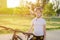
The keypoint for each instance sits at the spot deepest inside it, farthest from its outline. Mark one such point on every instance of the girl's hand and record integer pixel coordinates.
(44, 38)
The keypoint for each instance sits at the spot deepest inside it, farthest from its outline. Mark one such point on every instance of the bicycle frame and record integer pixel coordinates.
(16, 37)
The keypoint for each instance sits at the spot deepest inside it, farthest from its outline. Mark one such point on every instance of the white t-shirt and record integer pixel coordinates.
(38, 24)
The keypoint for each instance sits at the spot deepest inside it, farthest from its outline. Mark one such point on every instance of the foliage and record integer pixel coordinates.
(48, 10)
(6, 11)
(21, 10)
(17, 10)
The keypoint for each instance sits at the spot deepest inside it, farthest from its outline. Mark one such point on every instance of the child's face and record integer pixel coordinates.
(38, 13)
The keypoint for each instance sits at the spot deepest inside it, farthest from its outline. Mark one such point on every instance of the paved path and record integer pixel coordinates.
(51, 35)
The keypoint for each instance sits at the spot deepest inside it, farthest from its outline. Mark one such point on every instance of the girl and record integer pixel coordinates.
(39, 26)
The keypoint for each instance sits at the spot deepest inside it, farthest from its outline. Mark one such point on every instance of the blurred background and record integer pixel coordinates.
(17, 14)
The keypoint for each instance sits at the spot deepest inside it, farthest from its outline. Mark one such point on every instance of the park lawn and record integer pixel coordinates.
(24, 22)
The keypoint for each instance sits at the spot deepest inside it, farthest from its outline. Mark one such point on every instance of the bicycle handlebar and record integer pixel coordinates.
(16, 30)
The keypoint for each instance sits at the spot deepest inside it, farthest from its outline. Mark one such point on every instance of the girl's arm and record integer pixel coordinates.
(44, 29)
(31, 29)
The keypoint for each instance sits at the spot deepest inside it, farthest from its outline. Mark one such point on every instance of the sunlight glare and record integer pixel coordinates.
(13, 3)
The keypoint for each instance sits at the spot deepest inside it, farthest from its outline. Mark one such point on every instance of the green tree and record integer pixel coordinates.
(6, 11)
(21, 10)
(48, 10)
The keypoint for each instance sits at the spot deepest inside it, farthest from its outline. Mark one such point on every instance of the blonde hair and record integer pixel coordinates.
(38, 8)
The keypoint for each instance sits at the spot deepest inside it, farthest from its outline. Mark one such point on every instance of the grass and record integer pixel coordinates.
(23, 23)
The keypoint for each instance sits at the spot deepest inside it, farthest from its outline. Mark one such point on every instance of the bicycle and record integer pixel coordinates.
(15, 36)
